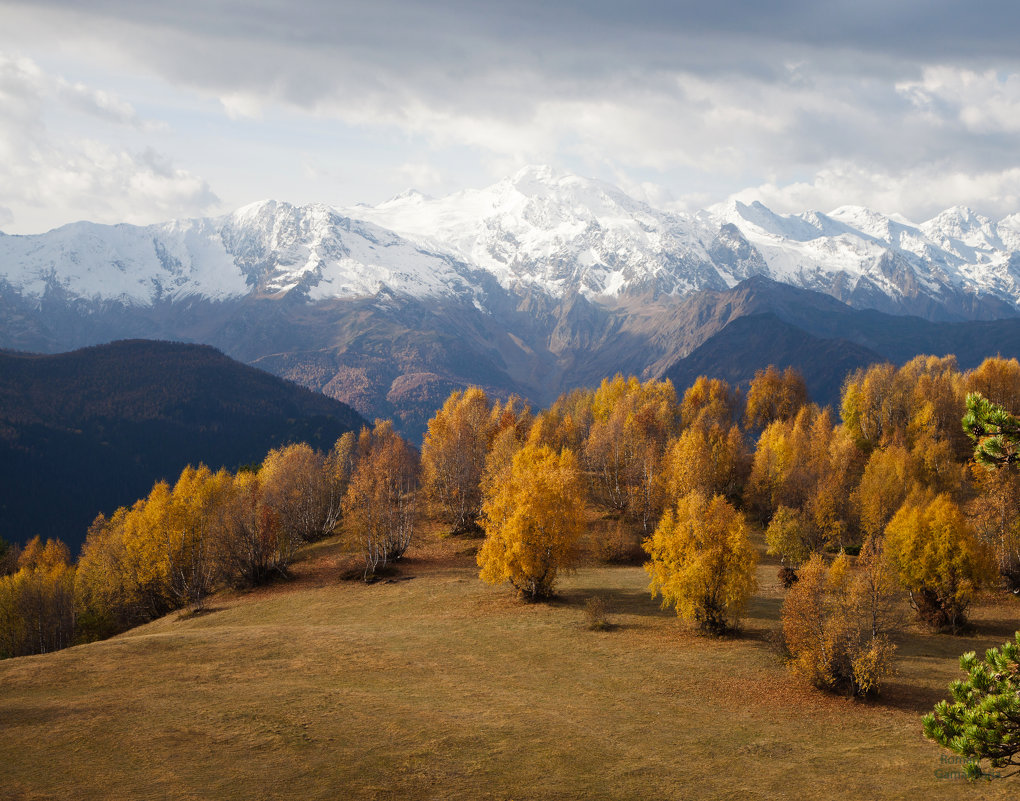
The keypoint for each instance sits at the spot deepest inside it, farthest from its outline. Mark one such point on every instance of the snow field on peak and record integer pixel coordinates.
(541, 227)
(130, 264)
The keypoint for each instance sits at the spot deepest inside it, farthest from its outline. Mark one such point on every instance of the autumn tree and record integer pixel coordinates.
(938, 557)
(774, 395)
(379, 506)
(197, 514)
(338, 467)
(9, 554)
(709, 401)
(936, 402)
(982, 722)
(37, 601)
(792, 537)
(835, 625)
(453, 458)
(996, 379)
(712, 460)
(809, 464)
(513, 426)
(883, 405)
(782, 474)
(255, 548)
(296, 485)
(995, 434)
(567, 423)
(533, 521)
(123, 576)
(105, 596)
(995, 514)
(888, 477)
(623, 452)
(702, 561)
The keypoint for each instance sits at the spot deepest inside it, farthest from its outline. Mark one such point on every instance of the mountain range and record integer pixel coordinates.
(539, 283)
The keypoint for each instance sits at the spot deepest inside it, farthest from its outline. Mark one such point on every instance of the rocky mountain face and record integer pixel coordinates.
(539, 283)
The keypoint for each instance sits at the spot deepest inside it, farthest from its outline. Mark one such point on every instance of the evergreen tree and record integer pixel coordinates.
(994, 431)
(983, 720)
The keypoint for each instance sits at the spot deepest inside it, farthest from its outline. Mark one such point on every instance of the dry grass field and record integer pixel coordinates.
(434, 685)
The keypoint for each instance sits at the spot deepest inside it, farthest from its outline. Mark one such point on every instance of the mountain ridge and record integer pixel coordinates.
(539, 284)
(541, 228)
(87, 431)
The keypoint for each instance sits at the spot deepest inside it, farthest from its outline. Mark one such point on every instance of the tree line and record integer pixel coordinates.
(209, 529)
(883, 500)
(882, 503)
(911, 492)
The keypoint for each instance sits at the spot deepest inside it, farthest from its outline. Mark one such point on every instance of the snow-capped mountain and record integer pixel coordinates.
(560, 233)
(955, 265)
(539, 283)
(266, 248)
(541, 230)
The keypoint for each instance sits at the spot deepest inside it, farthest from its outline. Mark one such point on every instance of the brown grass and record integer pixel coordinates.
(442, 687)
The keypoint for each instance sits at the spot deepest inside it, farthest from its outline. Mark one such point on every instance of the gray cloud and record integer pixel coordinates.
(45, 175)
(718, 95)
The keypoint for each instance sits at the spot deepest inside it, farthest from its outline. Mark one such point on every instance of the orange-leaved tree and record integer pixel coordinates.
(836, 624)
(774, 395)
(453, 458)
(37, 601)
(533, 521)
(379, 506)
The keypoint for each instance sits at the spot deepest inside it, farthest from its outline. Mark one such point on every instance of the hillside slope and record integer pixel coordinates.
(90, 430)
(441, 687)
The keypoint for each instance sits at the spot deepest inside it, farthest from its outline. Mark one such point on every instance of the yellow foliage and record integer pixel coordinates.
(938, 557)
(998, 380)
(713, 461)
(295, 484)
(708, 402)
(789, 536)
(774, 396)
(882, 405)
(623, 452)
(379, 506)
(533, 521)
(995, 513)
(453, 457)
(702, 561)
(830, 619)
(37, 602)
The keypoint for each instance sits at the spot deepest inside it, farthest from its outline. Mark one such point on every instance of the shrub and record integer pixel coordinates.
(834, 629)
(596, 612)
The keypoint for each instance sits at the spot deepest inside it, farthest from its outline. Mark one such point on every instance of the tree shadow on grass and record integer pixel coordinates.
(618, 601)
(1000, 629)
(907, 696)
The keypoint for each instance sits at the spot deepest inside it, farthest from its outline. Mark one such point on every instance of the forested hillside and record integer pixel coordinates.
(91, 430)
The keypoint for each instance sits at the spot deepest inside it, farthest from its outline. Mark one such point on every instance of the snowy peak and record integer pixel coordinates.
(559, 232)
(268, 248)
(129, 264)
(541, 229)
(959, 230)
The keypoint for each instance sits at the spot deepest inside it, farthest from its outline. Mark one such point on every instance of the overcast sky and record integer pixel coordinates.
(139, 111)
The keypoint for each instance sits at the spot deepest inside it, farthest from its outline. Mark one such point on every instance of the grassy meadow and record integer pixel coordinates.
(433, 685)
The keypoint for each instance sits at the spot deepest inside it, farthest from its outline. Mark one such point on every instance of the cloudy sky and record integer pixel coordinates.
(139, 111)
